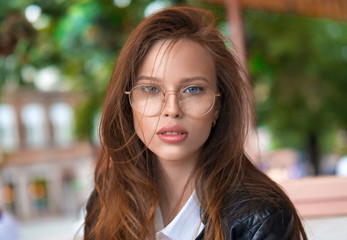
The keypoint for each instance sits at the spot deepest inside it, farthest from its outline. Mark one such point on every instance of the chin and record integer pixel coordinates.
(168, 154)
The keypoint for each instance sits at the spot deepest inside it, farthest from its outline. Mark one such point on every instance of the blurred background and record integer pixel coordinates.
(56, 58)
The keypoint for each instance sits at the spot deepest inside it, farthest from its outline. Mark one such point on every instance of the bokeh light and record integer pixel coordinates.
(7, 194)
(122, 3)
(33, 12)
(36, 190)
(156, 6)
(47, 78)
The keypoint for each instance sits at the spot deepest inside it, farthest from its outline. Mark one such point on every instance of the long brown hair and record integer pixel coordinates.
(125, 198)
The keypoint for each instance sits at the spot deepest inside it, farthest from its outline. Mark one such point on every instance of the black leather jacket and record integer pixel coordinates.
(249, 220)
(266, 223)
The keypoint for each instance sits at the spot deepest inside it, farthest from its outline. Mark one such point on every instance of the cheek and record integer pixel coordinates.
(202, 131)
(145, 127)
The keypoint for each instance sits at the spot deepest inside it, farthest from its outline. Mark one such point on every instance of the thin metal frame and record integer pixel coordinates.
(178, 94)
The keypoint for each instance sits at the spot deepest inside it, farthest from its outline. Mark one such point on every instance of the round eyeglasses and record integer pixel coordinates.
(193, 100)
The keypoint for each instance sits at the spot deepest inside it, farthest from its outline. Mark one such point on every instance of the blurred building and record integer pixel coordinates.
(43, 170)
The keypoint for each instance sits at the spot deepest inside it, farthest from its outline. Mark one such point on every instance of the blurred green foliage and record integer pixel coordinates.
(299, 72)
(80, 37)
(298, 65)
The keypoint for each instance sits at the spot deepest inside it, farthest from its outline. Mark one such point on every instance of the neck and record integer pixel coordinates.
(176, 186)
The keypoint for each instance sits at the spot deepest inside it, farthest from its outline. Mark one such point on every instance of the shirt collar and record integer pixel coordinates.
(186, 225)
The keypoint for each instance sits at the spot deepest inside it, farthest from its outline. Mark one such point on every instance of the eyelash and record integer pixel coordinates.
(149, 88)
(198, 89)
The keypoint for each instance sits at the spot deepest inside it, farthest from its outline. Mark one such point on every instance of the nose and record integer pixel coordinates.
(171, 107)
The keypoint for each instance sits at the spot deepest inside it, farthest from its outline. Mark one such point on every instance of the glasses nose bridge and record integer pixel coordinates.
(176, 100)
(171, 91)
(167, 93)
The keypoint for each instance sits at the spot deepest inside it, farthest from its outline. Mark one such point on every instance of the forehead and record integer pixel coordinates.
(171, 61)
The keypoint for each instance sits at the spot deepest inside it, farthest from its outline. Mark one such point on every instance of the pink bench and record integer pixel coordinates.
(318, 196)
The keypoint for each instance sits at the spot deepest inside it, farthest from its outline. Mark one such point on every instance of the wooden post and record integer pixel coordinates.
(236, 30)
(237, 36)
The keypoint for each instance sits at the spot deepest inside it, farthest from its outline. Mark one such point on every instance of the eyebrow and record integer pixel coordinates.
(183, 80)
(148, 78)
(190, 79)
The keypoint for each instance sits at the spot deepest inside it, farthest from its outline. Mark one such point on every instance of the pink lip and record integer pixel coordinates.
(172, 138)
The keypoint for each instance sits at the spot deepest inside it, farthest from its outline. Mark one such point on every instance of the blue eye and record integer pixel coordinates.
(150, 89)
(194, 90)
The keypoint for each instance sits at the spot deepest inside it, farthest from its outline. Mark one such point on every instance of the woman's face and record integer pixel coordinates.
(173, 134)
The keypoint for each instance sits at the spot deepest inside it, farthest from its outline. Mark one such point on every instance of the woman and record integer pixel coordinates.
(173, 129)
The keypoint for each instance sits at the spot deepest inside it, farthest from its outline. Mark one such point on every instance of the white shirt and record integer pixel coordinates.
(186, 225)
